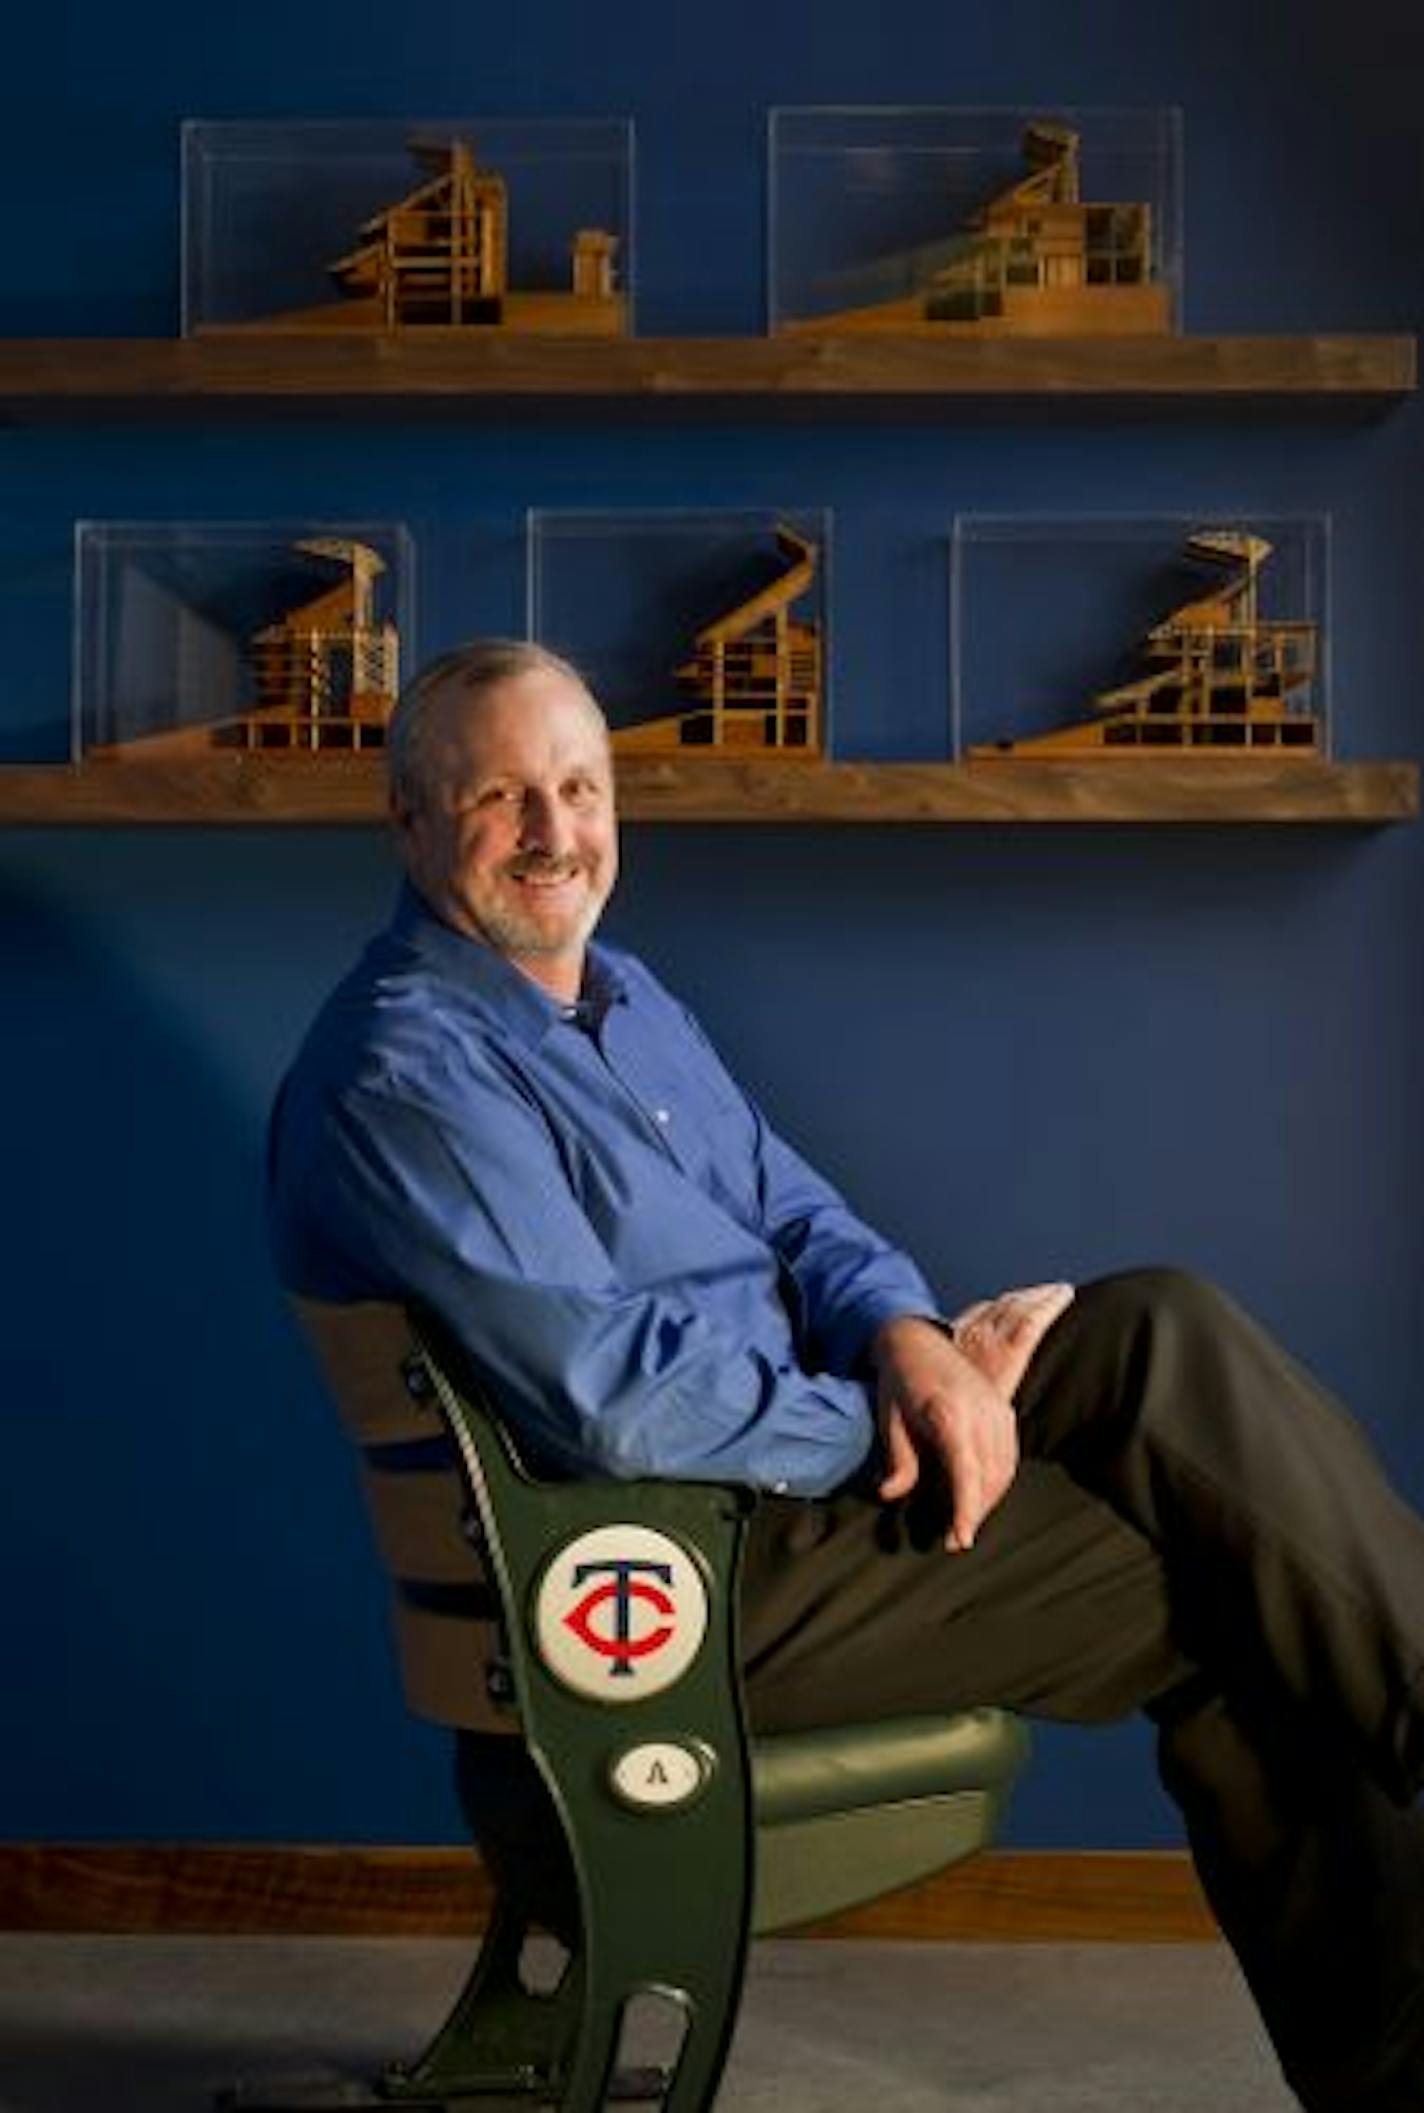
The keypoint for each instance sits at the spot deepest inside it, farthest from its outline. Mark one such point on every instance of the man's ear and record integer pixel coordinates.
(403, 815)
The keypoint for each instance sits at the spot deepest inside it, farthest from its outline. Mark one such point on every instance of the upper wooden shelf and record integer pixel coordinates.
(237, 789)
(55, 378)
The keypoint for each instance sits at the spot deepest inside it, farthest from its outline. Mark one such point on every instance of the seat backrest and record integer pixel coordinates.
(447, 1617)
(614, 1624)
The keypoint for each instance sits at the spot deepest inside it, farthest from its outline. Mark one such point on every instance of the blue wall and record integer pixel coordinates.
(1026, 1054)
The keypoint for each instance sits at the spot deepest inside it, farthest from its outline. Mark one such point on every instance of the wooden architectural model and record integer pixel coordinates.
(754, 682)
(324, 676)
(1035, 261)
(1218, 679)
(438, 259)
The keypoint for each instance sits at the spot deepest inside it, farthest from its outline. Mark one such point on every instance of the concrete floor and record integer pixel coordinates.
(152, 2025)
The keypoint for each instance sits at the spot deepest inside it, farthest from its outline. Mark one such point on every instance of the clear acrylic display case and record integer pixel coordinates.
(703, 634)
(284, 638)
(981, 222)
(1100, 637)
(463, 222)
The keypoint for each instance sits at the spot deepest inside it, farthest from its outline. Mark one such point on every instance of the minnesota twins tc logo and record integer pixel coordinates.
(624, 1589)
(621, 1613)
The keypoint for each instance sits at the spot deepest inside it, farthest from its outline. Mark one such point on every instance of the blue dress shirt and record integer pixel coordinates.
(647, 1277)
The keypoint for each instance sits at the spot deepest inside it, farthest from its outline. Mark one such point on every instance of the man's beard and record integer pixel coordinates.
(516, 931)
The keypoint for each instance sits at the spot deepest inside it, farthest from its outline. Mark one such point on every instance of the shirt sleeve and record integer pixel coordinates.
(476, 1219)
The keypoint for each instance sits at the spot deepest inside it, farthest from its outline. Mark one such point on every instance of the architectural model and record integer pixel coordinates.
(438, 259)
(324, 676)
(754, 682)
(1217, 678)
(1035, 261)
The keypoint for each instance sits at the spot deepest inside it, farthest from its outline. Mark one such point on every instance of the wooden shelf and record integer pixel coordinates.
(236, 790)
(56, 378)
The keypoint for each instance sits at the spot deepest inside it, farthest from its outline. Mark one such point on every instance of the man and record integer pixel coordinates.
(1071, 1505)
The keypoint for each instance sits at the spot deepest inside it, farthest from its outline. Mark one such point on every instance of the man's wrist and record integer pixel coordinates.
(902, 1327)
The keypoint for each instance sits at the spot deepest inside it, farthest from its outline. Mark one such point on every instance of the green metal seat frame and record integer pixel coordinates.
(637, 1820)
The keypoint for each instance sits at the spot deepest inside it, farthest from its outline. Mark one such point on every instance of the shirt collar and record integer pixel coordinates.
(511, 997)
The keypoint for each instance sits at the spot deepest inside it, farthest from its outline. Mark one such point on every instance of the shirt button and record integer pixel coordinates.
(662, 1115)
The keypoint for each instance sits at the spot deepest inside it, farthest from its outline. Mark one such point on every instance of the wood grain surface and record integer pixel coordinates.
(1004, 1896)
(226, 789)
(49, 377)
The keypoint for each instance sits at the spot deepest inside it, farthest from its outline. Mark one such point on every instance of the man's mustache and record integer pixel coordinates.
(543, 864)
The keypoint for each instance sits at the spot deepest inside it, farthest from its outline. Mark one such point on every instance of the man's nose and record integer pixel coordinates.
(544, 826)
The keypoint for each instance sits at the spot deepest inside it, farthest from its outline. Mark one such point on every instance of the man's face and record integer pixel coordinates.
(513, 838)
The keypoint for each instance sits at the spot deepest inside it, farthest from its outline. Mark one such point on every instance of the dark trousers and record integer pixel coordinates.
(1198, 1530)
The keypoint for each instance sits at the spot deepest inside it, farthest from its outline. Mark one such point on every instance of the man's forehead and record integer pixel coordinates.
(525, 710)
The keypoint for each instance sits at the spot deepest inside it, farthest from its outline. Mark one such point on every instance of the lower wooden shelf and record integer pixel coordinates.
(245, 789)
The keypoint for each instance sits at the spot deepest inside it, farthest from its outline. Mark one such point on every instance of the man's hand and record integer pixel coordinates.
(1000, 1335)
(950, 1399)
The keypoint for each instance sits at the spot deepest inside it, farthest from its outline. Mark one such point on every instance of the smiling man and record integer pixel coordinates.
(1071, 1504)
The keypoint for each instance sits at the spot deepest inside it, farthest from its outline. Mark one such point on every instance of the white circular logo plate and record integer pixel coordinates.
(620, 1613)
(658, 1775)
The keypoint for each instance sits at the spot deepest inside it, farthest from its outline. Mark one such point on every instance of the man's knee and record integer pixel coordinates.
(1159, 1293)
(1119, 1330)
